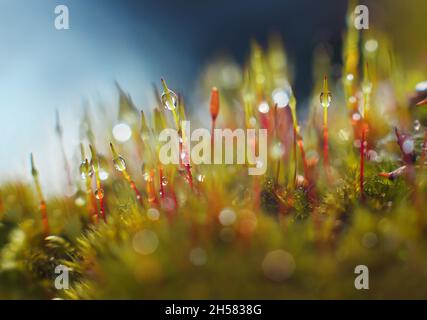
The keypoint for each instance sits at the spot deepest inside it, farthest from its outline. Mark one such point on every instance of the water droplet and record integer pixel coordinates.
(164, 181)
(263, 107)
(408, 146)
(91, 171)
(417, 125)
(325, 101)
(99, 193)
(200, 178)
(119, 163)
(122, 132)
(356, 116)
(350, 77)
(146, 177)
(169, 99)
(421, 86)
(281, 98)
(103, 175)
(84, 169)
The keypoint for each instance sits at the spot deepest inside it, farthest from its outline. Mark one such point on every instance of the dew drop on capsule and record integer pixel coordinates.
(169, 100)
(325, 101)
(84, 166)
(119, 163)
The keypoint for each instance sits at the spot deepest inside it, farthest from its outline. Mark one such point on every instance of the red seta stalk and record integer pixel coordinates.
(137, 193)
(294, 142)
(362, 162)
(423, 152)
(152, 198)
(304, 159)
(45, 220)
(325, 146)
(162, 189)
(189, 175)
(99, 193)
(212, 134)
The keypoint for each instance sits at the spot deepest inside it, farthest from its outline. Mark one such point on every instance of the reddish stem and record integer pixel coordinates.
(326, 152)
(102, 209)
(93, 210)
(45, 219)
(162, 191)
(189, 175)
(304, 160)
(187, 166)
(362, 162)
(137, 193)
(212, 136)
(152, 198)
(423, 152)
(325, 148)
(295, 154)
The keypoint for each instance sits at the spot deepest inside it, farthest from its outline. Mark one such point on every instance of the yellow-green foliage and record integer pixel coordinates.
(297, 232)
